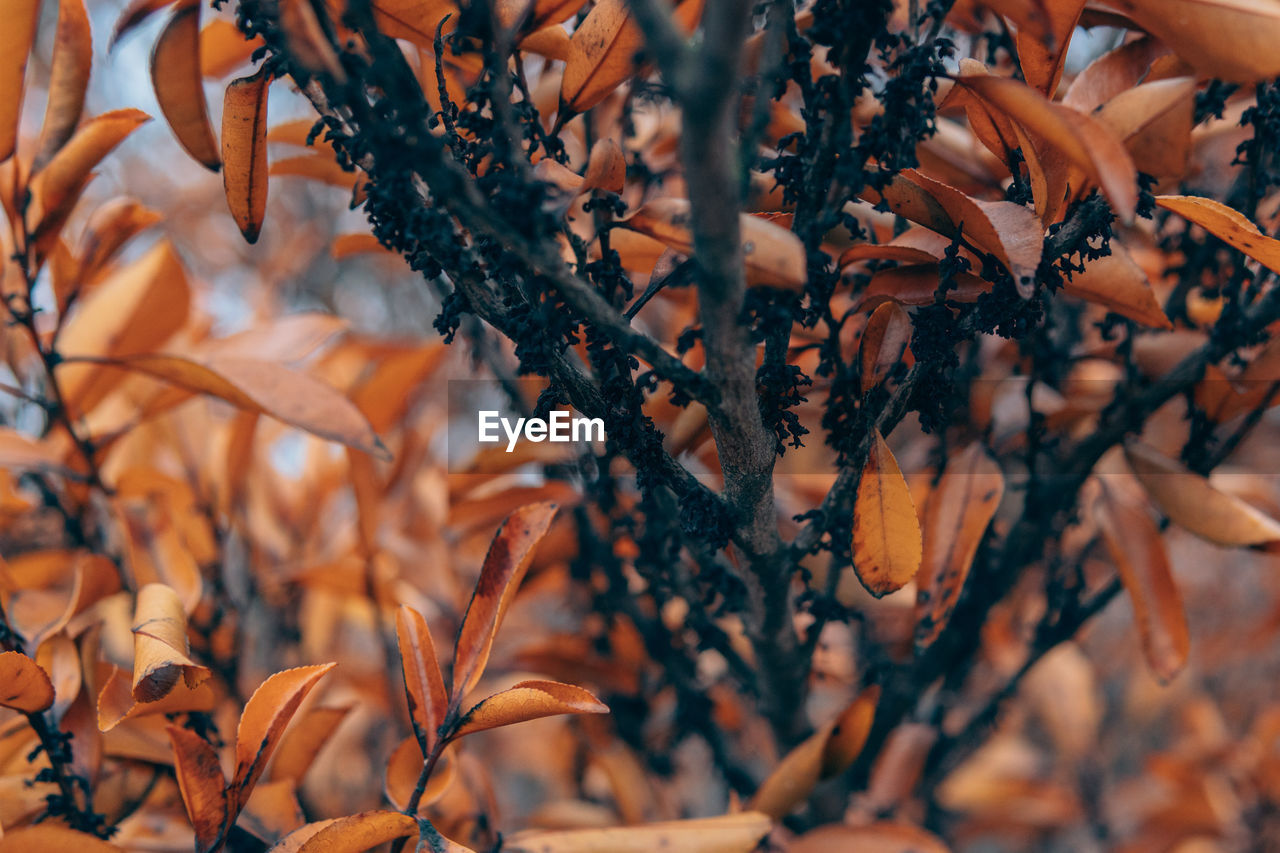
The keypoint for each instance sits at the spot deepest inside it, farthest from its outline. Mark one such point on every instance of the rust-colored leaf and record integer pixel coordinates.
(364, 831)
(886, 531)
(19, 33)
(1041, 55)
(1137, 549)
(51, 838)
(303, 741)
(423, 683)
(956, 516)
(1229, 39)
(405, 766)
(202, 785)
(175, 74)
(1118, 284)
(160, 645)
(879, 837)
(68, 79)
(244, 152)
(606, 167)
(1192, 502)
(24, 686)
(265, 716)
(223, 48)
(1227, 224)
(737, 833)
(529, 700)
(504, 567)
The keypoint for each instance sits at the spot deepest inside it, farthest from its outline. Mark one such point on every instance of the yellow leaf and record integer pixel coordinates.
(175, 74)
(1227, 224)
(24, 686)
(244, 152)
(886, 531)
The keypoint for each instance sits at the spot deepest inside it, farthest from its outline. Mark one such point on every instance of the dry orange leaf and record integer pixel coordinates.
(202, 785)
(1227, 224)
(244, 151)
(19, 33)
(51, 838)
(175, 74)
(1118, 284)
(265, 716)
(879, 837)
(1135, 545)
(884, 345)
(266, 387)
(160, 645)
(304, 739)
(363, 831)
(405, 766)
(68, 79)
(223, 48)
(529, 700)
(606, 167)
(1041, 54)
(1155, 121)
(956, 516)
(24, 686)
(424, 686)
(824, 754)
(504, 566)
(886, 532)
(20, 453)
(772, 255)
(1193, 503)
(1230, 39)
(116, 703)
(1113, 73)
(736, 833)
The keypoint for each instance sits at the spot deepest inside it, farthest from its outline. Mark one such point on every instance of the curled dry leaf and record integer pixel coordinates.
(1227, 224)
(24, 686)
(244, 151)
(160, 645)
(424, 686)
(175, 74)
(1193, 503)
(956, 516)
(116, 703)
(1137, 549)
(19, 33)
(68, 79)
(737, 833)
(202, 785)
(1229, 39)
(265, 387)
(263, 722)
(529, 700)
(824, 754)
(884, 345)
(772, 255)
(886, 531)
(504, 566)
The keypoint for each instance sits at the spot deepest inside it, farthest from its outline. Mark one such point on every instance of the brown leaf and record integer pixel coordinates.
(1118, 284)
(1192, 502)
(50, 838)
(244, 151)
(361, 832)
(880, 837)
(1082, 139)
(175, 74)
(423, 683)
(504, 566)
(19, 33)
(68, 79)
(772, 255)
(1042, 55)
(885, 344)
(1229, 39)
(405, 766)
(223, 48)
(1113, 73)
(886, 532)
(1155, 121)
(529, 700)
(24, 686)
(1138, 551)
(736, 833)
(535, 15)
(160, 645)
(202, 785)
(265, 387)
(606, 167)
(265, 716)
(134, 14)
(956, 516)
(1227, 224)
